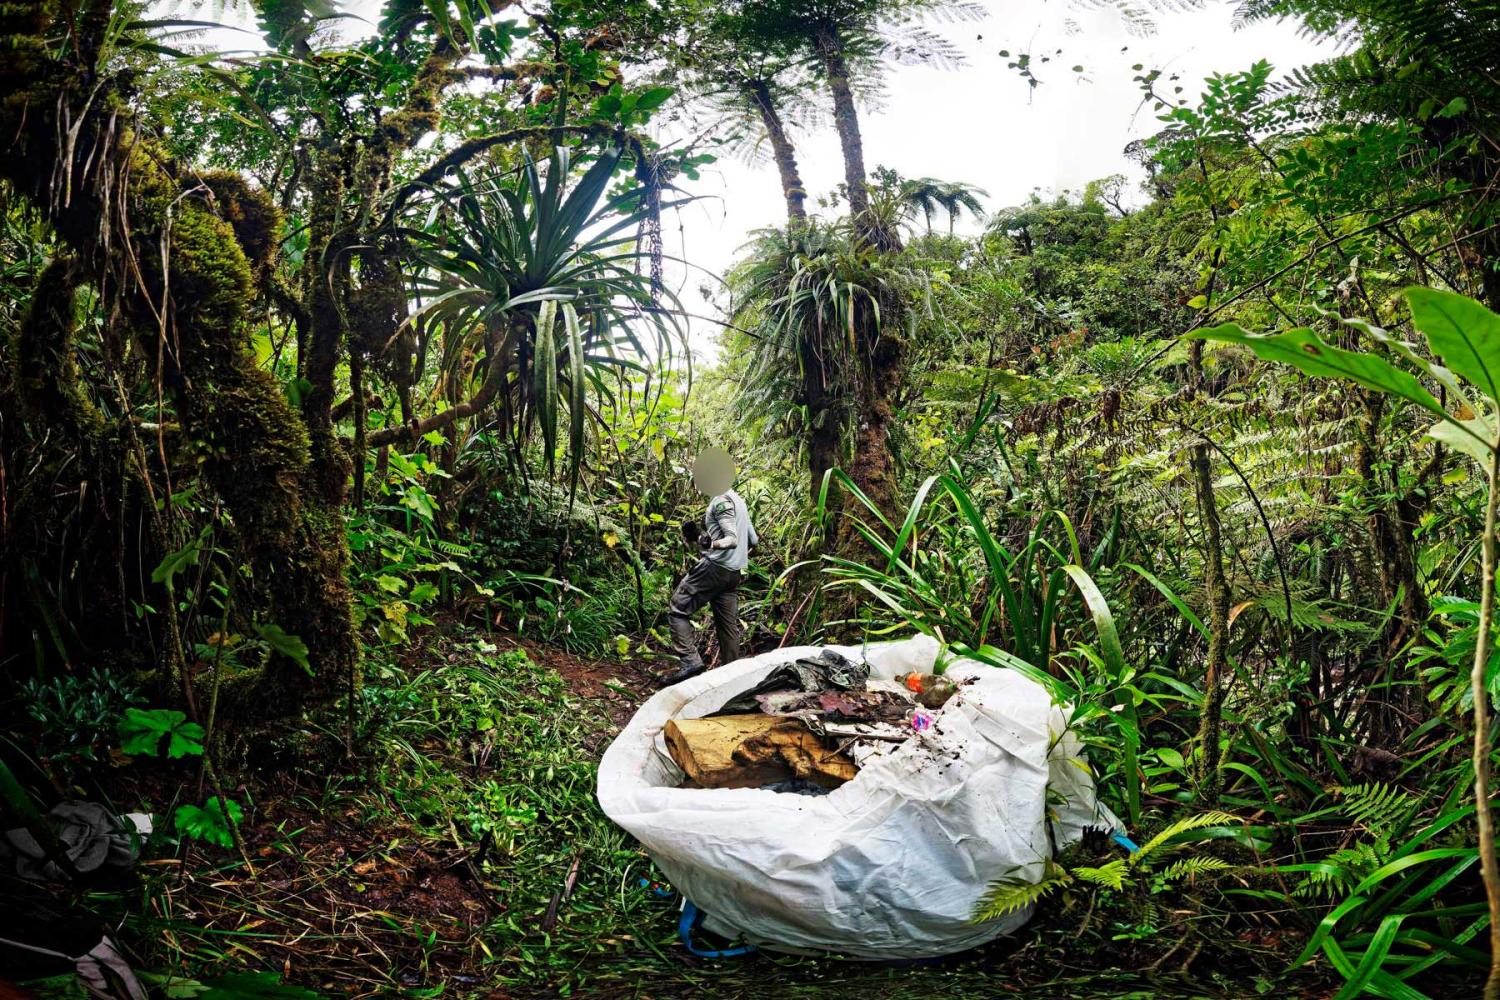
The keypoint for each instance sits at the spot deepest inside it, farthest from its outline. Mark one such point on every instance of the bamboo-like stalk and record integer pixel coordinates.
(1487, 859)
(1210, 723)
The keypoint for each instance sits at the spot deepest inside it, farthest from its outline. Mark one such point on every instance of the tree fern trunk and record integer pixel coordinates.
(881, 354)
(830, 48)
(781, 149)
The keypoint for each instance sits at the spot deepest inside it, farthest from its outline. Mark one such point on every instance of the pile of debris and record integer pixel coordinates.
(806, 728)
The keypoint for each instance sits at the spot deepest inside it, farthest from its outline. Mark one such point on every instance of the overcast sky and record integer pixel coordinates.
(979, 123)
(982, 124)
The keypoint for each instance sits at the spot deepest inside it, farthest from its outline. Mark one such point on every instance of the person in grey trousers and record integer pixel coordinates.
(725, 538)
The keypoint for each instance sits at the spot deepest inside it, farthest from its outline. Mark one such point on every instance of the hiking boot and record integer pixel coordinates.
(683, 674)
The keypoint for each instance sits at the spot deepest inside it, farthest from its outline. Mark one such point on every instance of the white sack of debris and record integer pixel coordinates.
(889, 865)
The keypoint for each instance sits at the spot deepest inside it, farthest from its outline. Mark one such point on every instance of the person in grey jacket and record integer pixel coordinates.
(725, 538)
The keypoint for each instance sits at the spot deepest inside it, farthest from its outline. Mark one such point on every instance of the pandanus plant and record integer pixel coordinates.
(542, 279)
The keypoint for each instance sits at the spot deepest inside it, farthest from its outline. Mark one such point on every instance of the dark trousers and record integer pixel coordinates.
(711, 584)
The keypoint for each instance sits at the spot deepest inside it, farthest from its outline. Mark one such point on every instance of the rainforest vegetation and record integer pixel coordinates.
(349, 391)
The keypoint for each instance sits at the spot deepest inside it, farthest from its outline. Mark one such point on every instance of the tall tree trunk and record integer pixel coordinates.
(873, 468)
(1395, 513)
(881, 356)
(759, 91)
(825, 418)
(825, 415)
(830, 47)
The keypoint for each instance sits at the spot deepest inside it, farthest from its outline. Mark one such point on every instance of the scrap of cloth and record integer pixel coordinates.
(91, 835)
(855, 706)
(827, 670)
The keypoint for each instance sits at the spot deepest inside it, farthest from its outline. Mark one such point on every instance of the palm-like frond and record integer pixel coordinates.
(504, 257)
(929, 195)
(806, 296)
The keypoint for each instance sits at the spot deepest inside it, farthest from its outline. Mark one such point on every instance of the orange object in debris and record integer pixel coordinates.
(914, 682)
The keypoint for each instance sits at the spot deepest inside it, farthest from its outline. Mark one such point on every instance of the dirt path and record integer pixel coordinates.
(621, 684)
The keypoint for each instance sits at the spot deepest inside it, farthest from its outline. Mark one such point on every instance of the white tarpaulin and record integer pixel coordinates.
(889, 865)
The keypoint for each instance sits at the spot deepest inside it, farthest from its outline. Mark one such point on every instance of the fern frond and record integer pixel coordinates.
(1377, 806)
(1339, 871)
(1110, 875)
(1191, 868)
(1159, 843)
(1012, 893)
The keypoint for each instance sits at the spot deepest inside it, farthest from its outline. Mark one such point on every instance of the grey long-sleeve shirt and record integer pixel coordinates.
(729, 527)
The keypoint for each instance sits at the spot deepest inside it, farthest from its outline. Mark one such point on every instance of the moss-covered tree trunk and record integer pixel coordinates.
(65, 504)
(159, 240)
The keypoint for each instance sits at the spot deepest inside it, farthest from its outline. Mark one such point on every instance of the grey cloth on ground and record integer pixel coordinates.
(706, 583)
(810, 673)
(92, 836)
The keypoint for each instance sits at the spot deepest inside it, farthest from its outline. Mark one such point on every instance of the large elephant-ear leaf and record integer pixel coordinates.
(1463, 333)
(576, 411)
(1306, 351)
(1466, 436)
(544, 379)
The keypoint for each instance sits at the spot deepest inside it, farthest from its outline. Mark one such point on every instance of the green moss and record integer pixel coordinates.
(250, 212)
(210, 280)
(51, 388)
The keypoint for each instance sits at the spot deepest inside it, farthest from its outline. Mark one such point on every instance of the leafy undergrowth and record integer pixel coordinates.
(464, 855)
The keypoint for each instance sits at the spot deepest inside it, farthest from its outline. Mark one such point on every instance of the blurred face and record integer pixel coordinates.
(713, 472)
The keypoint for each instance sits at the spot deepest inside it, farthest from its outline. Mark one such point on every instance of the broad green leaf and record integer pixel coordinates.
(1457, 106)
(142, 730)
(175, 562)
(652, 99)
(1403, 350)
(1307, 352)
(211, 822)
(290, 646)
(419, 501)
(1467, 436)
(1463, 333)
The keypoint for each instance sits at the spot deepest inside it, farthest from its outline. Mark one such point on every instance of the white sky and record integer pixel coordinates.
(982, 124)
